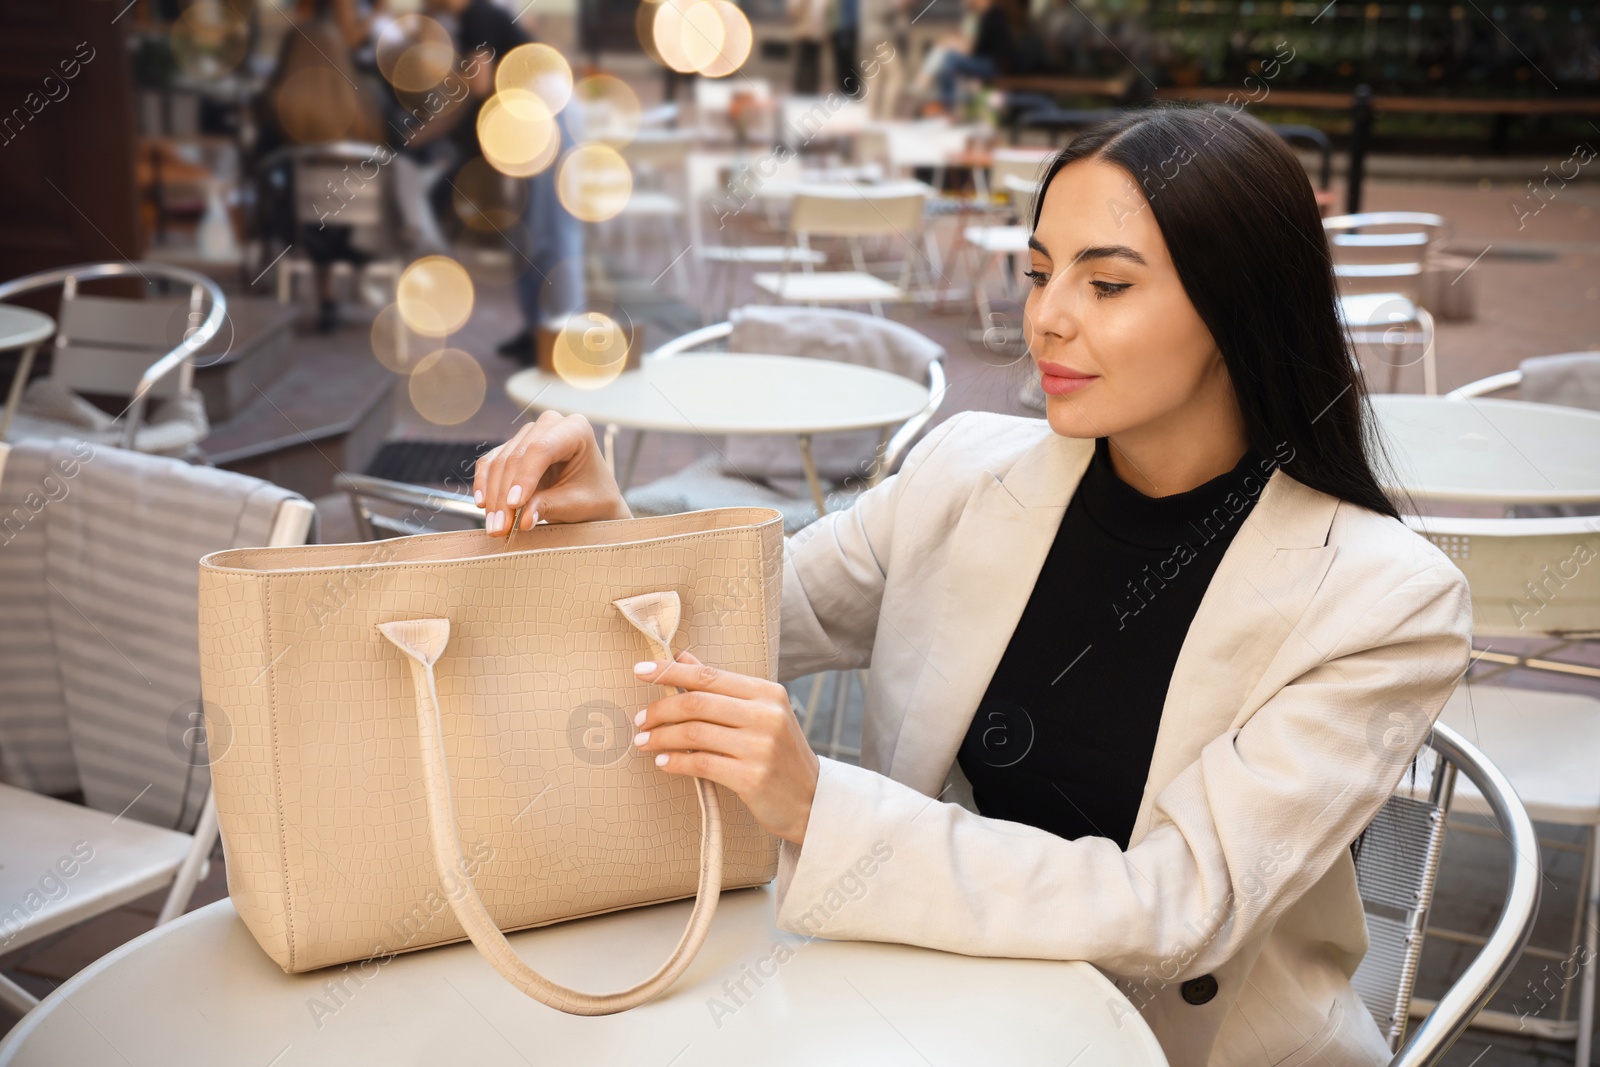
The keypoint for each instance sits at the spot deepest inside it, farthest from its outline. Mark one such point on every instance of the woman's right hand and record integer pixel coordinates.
(553, 465)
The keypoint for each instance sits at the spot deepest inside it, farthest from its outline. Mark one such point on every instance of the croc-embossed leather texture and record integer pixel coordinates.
(429, 738)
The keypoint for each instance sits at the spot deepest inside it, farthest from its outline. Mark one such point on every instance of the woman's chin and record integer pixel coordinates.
(1069, 418)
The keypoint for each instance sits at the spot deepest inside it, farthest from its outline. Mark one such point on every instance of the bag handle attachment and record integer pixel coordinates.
(423, 641)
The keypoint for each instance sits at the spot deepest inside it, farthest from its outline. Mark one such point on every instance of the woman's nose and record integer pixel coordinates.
(1052, 314)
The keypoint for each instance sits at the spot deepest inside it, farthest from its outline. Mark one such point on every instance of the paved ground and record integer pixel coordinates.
(1537, 290)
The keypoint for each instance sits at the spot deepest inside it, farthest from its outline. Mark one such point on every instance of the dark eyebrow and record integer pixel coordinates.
(1109, 252)
(1092, 252)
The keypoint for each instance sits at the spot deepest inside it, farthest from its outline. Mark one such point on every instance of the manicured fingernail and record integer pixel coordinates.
(533, 517)
(515, 496)
(645, 667)
(499, 520)
(638, 720)
(477, 497)
(661, 760)
(641, 738)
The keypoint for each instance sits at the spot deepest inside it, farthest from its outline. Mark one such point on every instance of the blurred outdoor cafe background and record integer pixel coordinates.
(764, 246)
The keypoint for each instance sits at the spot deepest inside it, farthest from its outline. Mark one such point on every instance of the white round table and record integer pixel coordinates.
(200, 992)
(1488, 451)
(732, 393)
(21, 328)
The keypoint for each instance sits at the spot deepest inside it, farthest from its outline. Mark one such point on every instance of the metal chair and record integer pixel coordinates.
(115, 860)
(893, 211)
(1379, 258)
(328, 184)
(1395, 871)
(427, 505)
(141, 349)
(1528, 581)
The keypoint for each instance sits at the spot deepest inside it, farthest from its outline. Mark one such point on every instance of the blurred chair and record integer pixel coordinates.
(893, 212)
(327, 186)
(728, 199)
(100, 663)
(1378, 259)
(1529, 580)
(1396, 866)
(772, 471)
(1571, 379)
(658, 159)
(714, 101)
(426, 506)
(142, 350)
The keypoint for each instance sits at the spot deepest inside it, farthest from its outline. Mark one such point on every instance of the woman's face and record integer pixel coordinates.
(1107, 321)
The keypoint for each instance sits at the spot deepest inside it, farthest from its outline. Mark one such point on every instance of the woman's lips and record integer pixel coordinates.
(1059, 380)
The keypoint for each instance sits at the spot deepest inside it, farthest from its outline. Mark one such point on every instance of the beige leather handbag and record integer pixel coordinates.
(430, 738)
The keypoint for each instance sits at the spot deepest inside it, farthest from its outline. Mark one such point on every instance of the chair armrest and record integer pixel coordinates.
(714, 332)
(1493, 964)
(1494, 383)
(907, 433)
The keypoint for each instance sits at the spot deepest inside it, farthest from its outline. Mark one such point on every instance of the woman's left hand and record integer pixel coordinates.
(737, 731)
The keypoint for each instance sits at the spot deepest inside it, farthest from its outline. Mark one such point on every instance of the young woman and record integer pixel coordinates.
(1141, 671)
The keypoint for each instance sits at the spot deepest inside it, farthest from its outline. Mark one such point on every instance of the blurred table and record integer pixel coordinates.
(200, 992)
(1490, 451)
(22, 328)
(732, 393)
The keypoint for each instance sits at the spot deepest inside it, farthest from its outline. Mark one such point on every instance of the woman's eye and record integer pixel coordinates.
(1105, 289)
(1037, 277)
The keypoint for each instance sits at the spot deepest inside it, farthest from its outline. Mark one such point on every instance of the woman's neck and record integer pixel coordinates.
(1185, 449)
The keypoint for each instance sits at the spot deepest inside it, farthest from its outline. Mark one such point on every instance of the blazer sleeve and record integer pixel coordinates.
(834, 571)
(1237, 837)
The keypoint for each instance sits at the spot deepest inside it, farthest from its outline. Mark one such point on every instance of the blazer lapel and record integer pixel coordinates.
(995, 554)
(1256, 598)
(1259, 592)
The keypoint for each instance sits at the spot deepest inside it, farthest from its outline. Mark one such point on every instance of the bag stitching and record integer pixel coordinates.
(432, 563)
(277, 777)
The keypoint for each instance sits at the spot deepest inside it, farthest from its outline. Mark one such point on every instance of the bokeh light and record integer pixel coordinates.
(316, 105)
(414, 53)
(608, 110)
(517, 133)
(485, 200)
(594, 182)
(688, 34)
(538, 69)
(737, 40)
(209, 39)
(590, 350)
(435, 296)
(447, 387)
(397, 346)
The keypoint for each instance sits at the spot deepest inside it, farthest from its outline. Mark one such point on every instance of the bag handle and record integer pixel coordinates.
(423, 642)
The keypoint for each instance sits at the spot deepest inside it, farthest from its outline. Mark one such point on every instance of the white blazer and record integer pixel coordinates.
(1323, 649)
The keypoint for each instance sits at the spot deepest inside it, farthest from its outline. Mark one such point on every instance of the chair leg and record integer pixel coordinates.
(183, 883)
(1591, 943)
(14, 998)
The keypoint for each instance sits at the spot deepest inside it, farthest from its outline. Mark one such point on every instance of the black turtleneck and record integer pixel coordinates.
(1063, 737)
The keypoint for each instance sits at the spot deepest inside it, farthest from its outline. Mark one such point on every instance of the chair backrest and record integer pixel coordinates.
(414, 508)
(1383, 250)
(105, 344)
(803, 119)
(344, 183)
(925, 144)
(1012, 167)
(1395, 872)
(1529, 577)
(105, 685)
(1571, 379)
(859, 210)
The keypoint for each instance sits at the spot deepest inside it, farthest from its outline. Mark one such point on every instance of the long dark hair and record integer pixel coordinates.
(1241, 224)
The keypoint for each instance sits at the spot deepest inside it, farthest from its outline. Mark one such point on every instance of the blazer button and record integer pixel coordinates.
(1200, 990)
